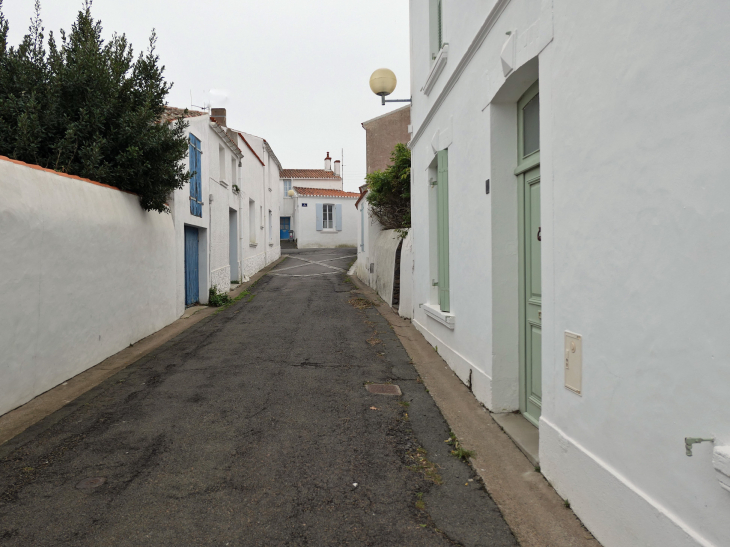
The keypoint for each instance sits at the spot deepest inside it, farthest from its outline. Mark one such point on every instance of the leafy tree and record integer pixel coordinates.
(389, 191)
(90, 108)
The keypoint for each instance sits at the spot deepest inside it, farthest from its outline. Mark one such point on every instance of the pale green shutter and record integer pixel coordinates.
(440, 25)
(443, 229)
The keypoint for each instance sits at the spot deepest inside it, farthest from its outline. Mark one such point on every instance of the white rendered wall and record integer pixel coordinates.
(386, 246)
(306, 223)
(636, 203)
(326, 184)
(634, 126)
(85, 273)
(260, 183)
(366, 255)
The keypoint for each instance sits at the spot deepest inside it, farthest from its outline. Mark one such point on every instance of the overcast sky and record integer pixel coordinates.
(291, 71)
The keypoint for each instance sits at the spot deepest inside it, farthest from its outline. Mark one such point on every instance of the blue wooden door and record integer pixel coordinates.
(191, 266)
(284, 227)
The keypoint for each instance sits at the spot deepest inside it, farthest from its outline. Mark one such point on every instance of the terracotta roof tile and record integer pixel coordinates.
(172, 113)
(323, 192)
(308, 174)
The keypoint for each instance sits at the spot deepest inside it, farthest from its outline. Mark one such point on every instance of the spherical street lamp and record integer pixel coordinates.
(290, 193)
(382, 83)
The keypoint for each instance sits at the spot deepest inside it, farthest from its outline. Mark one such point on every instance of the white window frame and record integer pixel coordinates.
(328, 224)
(287, 187)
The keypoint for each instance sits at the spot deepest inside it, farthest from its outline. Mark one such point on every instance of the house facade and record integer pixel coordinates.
(223, 216)
(261, 200)
(316, 212)
(570, 255)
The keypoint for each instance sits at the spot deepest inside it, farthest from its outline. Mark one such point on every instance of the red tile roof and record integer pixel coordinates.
(308, 174)
(323, 192)
(172, 113)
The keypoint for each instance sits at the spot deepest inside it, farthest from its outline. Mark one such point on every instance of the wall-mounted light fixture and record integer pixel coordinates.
(383, 83)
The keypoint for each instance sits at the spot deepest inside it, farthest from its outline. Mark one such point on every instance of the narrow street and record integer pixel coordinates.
(254, 427)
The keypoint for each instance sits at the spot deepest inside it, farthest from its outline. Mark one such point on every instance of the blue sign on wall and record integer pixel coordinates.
(304, 204)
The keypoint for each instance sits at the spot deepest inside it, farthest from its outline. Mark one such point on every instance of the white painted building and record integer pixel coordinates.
(569, 210)
(261, 200)
(224, 216)
(316, 209)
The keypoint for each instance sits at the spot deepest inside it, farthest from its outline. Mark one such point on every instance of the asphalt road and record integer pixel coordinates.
(253, 427)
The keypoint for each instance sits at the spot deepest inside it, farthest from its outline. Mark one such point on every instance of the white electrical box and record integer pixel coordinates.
(573, 362)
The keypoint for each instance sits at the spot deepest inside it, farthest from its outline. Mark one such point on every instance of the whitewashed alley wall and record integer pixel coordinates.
(85, 273)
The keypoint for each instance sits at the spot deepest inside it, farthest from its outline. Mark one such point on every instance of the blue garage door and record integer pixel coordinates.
(191, 266)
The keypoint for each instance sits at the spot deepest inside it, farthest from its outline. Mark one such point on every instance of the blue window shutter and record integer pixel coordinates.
(196, 186)
(319, 217)
(338, 217)
(191, 157)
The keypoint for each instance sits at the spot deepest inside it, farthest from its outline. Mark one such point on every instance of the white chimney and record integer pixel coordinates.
(337, 168)
(328, 163)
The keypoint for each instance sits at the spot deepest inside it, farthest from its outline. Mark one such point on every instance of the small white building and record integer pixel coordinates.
(261, 200)
(224, 216)
(569, 218)
(316, 212)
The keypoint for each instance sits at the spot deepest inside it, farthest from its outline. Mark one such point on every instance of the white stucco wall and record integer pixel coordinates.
(85, 273)
(639, 253)
(385, 248)
(366, 244)
(305, 219)
(260, 183)
(634, 123)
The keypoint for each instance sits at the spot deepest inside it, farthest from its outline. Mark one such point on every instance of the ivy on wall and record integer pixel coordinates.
(389, 191)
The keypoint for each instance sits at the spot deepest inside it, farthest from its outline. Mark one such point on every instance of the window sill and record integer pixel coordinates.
(434, 312)
(329, 231)
(436, 69)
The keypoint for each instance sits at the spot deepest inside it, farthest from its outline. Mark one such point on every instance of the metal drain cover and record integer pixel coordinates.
(91, 483)
(383, 389)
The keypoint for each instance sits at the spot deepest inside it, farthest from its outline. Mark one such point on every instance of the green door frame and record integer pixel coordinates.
(528, 168)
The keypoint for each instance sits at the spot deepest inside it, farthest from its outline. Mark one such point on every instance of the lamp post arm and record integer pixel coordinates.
(394, 100)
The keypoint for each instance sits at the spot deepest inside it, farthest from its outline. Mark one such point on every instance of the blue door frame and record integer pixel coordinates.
(284, 227)
(192, 285)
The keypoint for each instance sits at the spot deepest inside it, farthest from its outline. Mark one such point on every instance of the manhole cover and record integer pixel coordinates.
(93, 482)
(384, 389)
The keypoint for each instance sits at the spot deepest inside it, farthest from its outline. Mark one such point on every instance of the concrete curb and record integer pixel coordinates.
(536, 514)
(19, 419)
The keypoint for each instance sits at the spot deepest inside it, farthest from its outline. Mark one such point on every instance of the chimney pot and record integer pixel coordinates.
(219, 115)
(328, 163)
(337, 168)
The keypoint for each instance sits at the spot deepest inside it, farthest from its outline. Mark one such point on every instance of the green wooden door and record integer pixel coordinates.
(528, 174)
(532, 235)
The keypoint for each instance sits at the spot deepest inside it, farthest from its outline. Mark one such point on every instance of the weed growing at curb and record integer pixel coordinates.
(458, 451)
(420, 504)
(217, 299)
(360, 303)
(566, 502)
(423, 465)
(405, 404)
